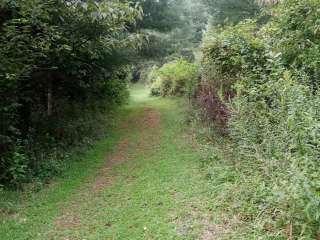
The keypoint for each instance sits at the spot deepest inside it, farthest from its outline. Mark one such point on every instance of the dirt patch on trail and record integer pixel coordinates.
(151, 118)
(213, 232)
(196, 218)
(147, 125)
(71, 217)
(104, 179)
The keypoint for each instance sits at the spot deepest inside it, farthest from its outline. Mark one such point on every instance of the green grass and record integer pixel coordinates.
(168, 186)
(159, 193)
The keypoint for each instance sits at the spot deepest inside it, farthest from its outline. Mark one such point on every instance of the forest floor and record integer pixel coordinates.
(142, 182)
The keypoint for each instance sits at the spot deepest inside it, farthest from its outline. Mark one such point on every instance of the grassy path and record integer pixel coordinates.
(143, 182)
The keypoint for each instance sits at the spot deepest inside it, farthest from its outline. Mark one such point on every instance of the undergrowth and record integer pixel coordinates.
(239, 192)
(259, 73)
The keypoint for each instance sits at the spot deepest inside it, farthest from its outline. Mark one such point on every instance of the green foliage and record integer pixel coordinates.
(56, 58)
(275, 126)
(160, 15)
(171, 28)
(231, 11)
(296, 29)
(174, 78)
(267, 77)
(230, 52)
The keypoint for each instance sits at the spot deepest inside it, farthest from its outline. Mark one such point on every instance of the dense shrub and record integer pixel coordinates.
(228, 54)
(59, 60)
(295, 32)
(275, 127)
(174, 78)
(267, 77)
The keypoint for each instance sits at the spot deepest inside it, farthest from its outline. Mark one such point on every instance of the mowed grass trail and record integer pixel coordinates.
(141, 182)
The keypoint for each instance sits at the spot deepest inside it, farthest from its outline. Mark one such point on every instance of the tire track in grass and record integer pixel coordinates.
(148, 126)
